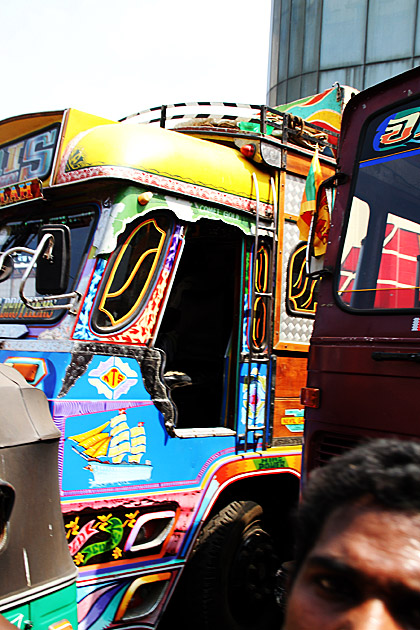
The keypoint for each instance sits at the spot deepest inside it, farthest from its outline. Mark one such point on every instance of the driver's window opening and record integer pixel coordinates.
(199, 330)
(24, 233)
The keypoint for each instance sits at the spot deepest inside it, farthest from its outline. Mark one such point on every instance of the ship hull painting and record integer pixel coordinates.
(118, 474)
(113, 452)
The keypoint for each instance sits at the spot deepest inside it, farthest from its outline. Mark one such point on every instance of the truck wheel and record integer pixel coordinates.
(231, 574)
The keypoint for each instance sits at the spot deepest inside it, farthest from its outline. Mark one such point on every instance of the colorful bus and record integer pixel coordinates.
(365, 350)
(153, 287)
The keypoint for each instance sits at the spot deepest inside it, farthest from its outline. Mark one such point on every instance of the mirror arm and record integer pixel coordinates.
(14, 250)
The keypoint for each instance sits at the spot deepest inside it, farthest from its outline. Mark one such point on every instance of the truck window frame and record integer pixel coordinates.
(115, 262)
(366, 134)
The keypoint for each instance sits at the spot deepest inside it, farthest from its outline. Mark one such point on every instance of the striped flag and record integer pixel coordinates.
(323, 110)
(307, 209)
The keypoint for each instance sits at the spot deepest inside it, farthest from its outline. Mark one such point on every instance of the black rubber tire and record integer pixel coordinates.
(230, 578)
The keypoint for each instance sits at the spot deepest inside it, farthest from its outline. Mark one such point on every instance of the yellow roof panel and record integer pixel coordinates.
(164, 159)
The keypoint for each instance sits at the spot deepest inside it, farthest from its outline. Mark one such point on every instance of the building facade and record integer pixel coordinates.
(315, 43)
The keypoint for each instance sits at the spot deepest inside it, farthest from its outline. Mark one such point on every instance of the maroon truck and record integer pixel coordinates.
(364, 363)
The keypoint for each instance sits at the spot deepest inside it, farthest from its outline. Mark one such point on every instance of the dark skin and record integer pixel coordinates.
(363, 573)
(6, 625)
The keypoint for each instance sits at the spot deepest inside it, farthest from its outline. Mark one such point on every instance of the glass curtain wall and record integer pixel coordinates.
(315, 43)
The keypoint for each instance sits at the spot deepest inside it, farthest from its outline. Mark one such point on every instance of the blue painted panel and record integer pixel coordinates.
(256, 405)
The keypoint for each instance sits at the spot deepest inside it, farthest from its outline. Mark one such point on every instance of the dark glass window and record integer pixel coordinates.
(377, 72)
(312, 36)
(417, 40)
(274, 45)
(309, 83)
(390, 30)
(343, 22)
(293, 89)
(296, 37)
(284, 39)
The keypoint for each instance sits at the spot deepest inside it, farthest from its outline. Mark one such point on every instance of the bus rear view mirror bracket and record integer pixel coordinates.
(315, 264)
(53, 249)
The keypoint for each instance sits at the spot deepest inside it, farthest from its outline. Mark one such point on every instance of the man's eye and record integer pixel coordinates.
(336, 587)
(327, 583)
(408, 613)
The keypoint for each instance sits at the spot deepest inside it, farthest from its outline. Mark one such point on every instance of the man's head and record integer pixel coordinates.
(358, 542)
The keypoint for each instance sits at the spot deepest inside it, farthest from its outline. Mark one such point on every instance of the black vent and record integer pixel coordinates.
(332, 444)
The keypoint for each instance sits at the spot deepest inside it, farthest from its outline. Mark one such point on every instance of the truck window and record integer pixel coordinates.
(380, 260)
(301, 293)
(24, 233)
(262, 286)
(130, 273)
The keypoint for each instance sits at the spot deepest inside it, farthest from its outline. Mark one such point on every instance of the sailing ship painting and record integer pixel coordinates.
(114, 451)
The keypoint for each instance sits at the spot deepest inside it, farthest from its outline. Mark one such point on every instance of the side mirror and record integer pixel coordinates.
(315, 264)
(53, 265)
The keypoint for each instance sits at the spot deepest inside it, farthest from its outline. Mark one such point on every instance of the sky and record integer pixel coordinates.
(117, 57)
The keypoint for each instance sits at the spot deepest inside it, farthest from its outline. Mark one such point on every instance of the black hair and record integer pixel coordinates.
(385, 471)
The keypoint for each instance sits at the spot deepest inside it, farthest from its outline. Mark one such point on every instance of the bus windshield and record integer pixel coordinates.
(380, 259)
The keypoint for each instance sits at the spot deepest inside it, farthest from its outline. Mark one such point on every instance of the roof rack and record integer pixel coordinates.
(233, 118)
(196, 110)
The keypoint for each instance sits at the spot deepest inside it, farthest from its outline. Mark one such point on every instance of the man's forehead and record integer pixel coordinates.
(369, 538)
(367, 510)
